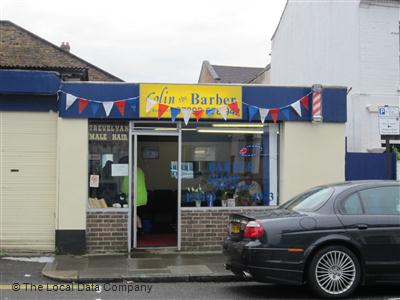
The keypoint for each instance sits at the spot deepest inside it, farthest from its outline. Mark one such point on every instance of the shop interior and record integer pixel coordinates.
(158, 217)
(157, 200)
(217, 162)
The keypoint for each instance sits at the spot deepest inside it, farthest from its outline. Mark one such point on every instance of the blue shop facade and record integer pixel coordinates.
(143, 166)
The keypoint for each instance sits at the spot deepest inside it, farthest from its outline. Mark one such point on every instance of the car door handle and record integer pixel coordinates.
(362, 226)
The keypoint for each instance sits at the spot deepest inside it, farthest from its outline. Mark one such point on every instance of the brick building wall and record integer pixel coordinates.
(106, 232)
(201, 229)
(205, 229)
(205, 76)
(19, 47)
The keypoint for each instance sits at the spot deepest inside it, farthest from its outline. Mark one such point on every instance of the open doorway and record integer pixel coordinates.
(157, 191)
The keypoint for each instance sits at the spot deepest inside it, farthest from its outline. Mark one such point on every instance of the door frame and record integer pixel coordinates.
(133, 138)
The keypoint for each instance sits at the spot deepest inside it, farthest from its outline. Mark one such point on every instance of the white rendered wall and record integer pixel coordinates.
(310, 155)
(342, 43)
(72, 173)
(379, 72)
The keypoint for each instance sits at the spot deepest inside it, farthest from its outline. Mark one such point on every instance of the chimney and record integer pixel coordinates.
(65, 46)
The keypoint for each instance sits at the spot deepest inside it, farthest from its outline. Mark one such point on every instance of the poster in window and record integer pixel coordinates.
(94, 181)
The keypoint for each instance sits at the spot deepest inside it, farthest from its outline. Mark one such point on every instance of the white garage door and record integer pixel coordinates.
(27, 180)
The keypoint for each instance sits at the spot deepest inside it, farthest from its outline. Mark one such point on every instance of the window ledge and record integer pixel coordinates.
(108, 209)
(218, 208)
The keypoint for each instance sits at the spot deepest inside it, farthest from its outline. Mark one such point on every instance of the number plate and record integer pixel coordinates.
(235, 228)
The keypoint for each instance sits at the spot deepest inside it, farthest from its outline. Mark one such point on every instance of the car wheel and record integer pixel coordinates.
(334, 272)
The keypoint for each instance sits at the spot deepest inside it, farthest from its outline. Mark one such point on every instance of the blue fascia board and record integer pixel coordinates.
(333, 104)
(29, 82)
(17, 82)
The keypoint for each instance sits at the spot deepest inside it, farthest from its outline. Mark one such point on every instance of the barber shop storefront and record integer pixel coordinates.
(223, 167)
(162, 166)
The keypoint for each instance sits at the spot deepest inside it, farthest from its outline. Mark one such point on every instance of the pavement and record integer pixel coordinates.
(140, 267)
(22, 279)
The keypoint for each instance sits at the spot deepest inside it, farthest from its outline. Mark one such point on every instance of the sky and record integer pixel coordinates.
(154, 40)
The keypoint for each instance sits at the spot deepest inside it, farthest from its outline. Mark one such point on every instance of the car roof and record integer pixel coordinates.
(361, 183)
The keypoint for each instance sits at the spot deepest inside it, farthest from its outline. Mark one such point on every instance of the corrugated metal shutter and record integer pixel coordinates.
(28, 147)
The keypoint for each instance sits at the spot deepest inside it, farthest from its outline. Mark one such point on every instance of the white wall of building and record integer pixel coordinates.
(310, 155)
(72, 173)
(347, 43)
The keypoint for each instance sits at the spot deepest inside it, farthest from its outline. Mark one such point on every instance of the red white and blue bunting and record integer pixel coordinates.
(95, 105)
(223, 110)
(253, 111)
(274, 111)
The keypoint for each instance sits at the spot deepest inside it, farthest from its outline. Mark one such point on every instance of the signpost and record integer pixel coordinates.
(389, 126)
(389, 120)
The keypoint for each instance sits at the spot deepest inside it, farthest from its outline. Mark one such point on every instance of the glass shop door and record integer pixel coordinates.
(154, 219)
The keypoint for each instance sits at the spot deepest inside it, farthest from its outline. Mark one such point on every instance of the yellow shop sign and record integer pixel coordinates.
(190, 96)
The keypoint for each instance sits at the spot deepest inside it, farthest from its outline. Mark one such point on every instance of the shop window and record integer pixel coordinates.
(108, 164)
(229, 165)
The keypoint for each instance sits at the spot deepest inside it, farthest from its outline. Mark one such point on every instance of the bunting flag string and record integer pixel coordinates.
(210, 111)
(263, 114)
(296, 107)
(132, 103)
(70, 99)
(149, 104)
(274, 113)
(186, 114)
(121, 106)
(252, 112)
(95, 105)
(82, 104)
(304, 102)
(162, 108)
(223, 110)
(233, 107)
(107, 105)
(174, 113)
(198, 114)
(285, 112)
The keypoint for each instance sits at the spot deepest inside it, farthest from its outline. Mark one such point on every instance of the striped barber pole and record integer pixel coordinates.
(317, 103)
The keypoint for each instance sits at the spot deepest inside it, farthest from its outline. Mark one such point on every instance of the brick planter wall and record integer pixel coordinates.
(106, 232)
(204, 229)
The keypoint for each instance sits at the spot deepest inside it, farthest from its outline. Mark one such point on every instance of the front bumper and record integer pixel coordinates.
(264, 264)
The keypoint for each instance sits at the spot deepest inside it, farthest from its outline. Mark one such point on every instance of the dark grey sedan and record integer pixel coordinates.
(331, 238)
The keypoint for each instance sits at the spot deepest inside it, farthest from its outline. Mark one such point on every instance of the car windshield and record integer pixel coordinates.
(309, 200)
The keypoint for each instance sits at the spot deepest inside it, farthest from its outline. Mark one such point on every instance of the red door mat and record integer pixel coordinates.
(157, 240)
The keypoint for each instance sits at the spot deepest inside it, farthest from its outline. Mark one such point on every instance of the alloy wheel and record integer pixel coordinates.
(335, 272)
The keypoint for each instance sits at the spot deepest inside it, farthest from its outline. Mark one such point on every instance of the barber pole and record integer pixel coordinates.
(317, 103)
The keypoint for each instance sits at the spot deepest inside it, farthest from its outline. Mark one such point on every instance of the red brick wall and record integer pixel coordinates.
(202, 229)
(205, 229)
(106, 232)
